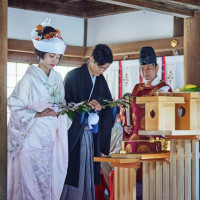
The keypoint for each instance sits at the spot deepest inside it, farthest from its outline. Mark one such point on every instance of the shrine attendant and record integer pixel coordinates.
(152, 84)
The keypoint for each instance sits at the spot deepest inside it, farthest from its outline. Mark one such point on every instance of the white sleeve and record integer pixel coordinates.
(118, 137)
(164, 89)
(18, 102)
(62, 90)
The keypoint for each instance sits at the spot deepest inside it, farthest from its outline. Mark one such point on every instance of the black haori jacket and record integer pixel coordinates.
(78, 85)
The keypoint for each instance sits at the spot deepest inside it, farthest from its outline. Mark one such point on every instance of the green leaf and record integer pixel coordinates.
(71, 114)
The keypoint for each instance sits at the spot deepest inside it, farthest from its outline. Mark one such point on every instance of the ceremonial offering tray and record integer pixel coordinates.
(157, 145)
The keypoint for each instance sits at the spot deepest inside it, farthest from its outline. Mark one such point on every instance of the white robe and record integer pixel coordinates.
(115, 146)
(37, 147)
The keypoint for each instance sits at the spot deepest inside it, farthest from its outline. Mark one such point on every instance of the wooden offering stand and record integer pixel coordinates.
(188, 114)
(166, 176)
(125, 167)
(179, 177)
(163, 109)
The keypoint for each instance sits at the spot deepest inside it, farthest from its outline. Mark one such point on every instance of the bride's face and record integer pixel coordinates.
(50, 60)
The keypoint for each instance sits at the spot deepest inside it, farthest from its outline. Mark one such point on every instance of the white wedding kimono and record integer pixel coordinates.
(37, 147)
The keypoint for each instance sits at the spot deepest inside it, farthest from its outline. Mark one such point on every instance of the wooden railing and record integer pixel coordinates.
(178, 178)
(166, 176)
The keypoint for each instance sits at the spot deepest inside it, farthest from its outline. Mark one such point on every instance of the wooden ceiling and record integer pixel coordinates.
(96, 8)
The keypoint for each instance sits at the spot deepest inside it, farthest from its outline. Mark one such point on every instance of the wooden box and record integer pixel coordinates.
(160, 111)
(188, 114)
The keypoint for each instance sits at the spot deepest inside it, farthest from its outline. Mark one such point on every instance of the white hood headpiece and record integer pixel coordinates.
(52, 42)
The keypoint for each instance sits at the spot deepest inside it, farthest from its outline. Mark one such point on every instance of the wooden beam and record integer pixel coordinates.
(3, 99)
(69, 1)
(74, 8)
(192, 3)
(134, 47)
(31, 59)
(75, 61)
(158, 54)
(27, 46)
(75, 51)
(74, 55)
(107, 9)
(50, 7)
(61, 1)
(158, 6)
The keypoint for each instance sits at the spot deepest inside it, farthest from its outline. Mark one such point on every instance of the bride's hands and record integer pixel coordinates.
(46, 112)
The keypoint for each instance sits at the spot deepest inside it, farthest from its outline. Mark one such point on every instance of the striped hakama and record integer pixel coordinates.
(85, 190)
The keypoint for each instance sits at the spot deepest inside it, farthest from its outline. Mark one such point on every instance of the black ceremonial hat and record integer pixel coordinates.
(147, 56)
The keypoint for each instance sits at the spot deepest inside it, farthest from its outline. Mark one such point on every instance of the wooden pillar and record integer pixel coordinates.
(3, 98)
(85, 32)
(192, 49)
(178, 31)
(173, 185)
(188, 171)
(145, 180)
(180, 169)
(152, 180)
(178, 27)
(195, 169)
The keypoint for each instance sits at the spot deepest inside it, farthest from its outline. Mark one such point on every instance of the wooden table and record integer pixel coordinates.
(125, 166)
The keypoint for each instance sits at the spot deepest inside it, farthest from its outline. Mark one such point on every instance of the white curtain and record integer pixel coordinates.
(174, 71)
(159, 62)
(112, 77)
(130, 75)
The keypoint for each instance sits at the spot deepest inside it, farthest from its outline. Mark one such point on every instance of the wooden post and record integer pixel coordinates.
(85, 32)
(159, 181)
(195, 169)
(132, 184)
(192, 49)
(178, 27)
(145, 180)
(188, 173)
(3, 98)
(121, 183)
(180, 171)
(127, 184)
(172, 186)
(165, 181)
(116, 184)
(152, 180)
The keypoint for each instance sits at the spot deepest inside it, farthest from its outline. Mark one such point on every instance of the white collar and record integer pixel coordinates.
(156, 81)
(50, 80)
(93, 78)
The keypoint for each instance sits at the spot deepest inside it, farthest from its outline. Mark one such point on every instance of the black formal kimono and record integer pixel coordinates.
(78, 85)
